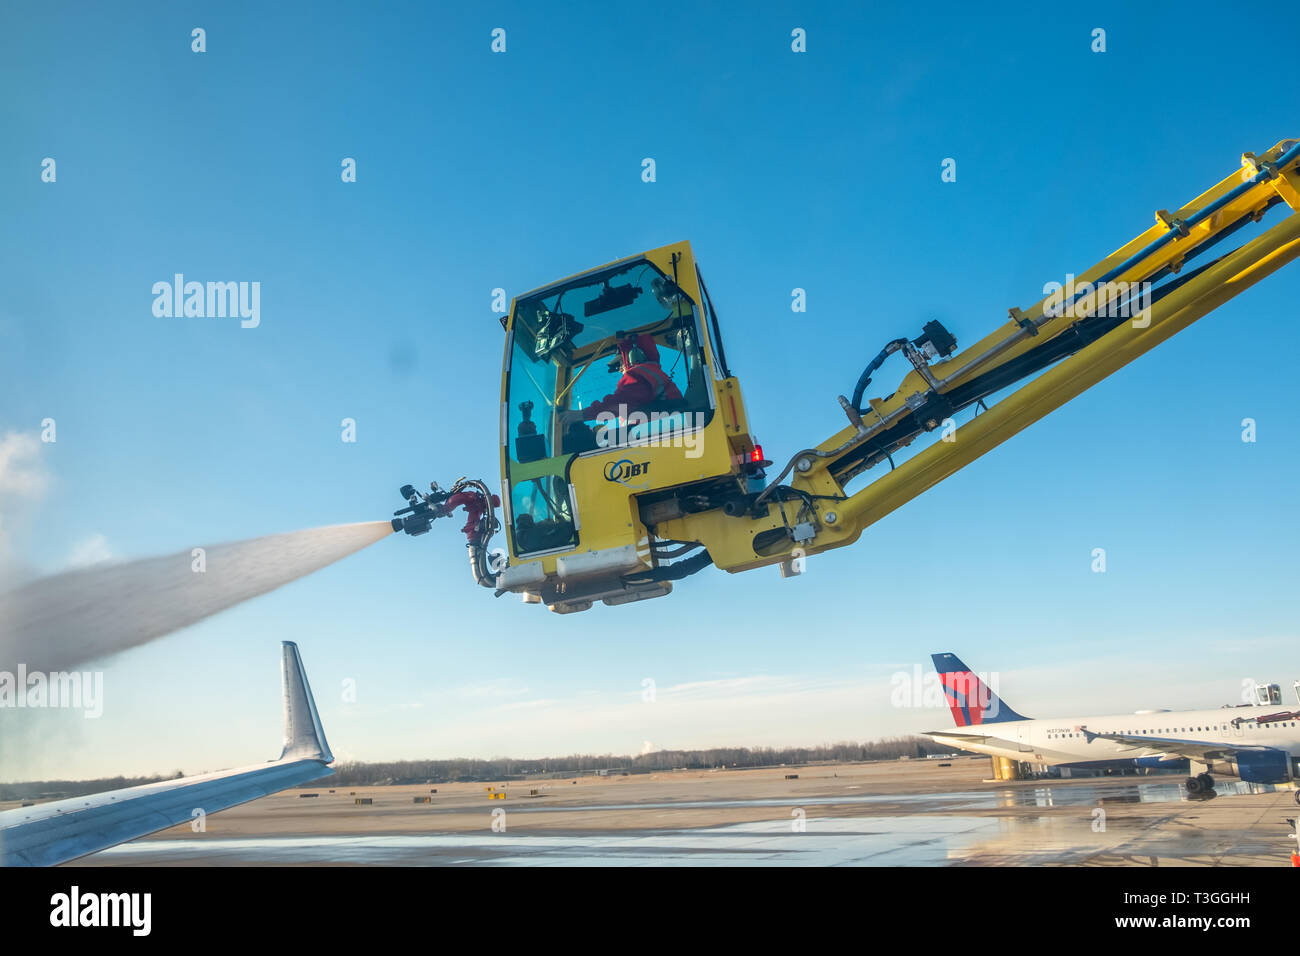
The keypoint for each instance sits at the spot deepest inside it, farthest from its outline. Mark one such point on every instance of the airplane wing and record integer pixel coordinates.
(954, 735)
(63, 830)
(1175, 747)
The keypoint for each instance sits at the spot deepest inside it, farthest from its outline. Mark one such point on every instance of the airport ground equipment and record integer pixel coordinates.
(613, 501)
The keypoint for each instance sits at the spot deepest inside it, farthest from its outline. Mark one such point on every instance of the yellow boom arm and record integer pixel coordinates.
(1120, 308)
(671, 481)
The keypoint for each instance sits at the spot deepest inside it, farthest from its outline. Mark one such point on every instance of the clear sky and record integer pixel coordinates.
(477, 170)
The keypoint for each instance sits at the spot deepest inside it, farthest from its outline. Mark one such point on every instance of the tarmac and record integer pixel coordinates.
(913, 813)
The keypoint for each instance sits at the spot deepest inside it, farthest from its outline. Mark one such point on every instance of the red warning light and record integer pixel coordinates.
(757, 454)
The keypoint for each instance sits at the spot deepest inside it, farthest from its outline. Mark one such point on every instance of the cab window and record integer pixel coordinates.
(610, 359)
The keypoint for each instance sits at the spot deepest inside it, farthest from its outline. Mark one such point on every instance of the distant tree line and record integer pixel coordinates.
(58, 789)
(506, 768)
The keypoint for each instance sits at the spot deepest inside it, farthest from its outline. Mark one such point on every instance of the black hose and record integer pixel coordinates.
(673, 572)
(1080, 334)
(865, 378)
(677, 552)
(713, 316)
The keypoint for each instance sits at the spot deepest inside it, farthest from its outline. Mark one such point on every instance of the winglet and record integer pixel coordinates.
(303, 735)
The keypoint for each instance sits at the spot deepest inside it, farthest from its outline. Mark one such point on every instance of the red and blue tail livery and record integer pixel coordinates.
(970, 699)
(1259, 743)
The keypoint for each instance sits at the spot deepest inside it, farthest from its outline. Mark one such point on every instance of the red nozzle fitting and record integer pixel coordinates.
(474, 505)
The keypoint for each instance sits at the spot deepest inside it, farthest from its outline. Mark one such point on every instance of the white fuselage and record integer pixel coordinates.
(1059, 740)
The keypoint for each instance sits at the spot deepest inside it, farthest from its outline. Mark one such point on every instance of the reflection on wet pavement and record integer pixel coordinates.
(1048, 795)
(883, 841)
(939, 834)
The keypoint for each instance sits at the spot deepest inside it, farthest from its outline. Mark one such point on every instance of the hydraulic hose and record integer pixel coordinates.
(673, 572)
(865, 378)
(485, 526)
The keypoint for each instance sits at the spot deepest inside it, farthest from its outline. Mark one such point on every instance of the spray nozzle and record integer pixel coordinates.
(420, 510)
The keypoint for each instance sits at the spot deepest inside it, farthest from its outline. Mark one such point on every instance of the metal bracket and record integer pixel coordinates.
(854, 418)
(1019, 318)
(1173, 223)
(920, 364)
(1287, 185)
(1256, 166)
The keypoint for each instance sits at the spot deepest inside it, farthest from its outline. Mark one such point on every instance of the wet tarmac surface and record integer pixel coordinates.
(917, 840)
(1044, 796)
(1075, 824)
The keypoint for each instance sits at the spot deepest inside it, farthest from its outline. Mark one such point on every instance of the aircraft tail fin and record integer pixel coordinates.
(303, 735)
(970, 699)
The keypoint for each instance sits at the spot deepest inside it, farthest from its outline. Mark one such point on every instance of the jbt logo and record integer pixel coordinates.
(624, 469)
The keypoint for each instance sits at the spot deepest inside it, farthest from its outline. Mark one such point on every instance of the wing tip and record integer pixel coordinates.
(304, 737)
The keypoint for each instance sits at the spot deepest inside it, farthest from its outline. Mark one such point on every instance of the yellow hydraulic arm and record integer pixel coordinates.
(1123, 306)
(617, 514)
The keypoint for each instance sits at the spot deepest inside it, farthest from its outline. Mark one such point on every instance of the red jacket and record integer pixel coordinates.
(641, 384)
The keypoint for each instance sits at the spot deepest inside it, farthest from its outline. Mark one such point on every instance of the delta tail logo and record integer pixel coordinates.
(970, 699)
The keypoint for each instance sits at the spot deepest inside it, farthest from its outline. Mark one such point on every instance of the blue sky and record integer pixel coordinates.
(478, 170)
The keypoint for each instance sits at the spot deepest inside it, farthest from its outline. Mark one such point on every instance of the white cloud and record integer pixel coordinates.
(759, 710)
(22, 473)
(24, 480)
(489, 689)
(88, 551)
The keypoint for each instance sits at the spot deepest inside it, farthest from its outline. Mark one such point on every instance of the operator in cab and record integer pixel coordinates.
(644, 382)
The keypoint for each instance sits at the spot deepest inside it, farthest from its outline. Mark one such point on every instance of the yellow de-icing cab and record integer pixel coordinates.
(626, 457)
(616, 409)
